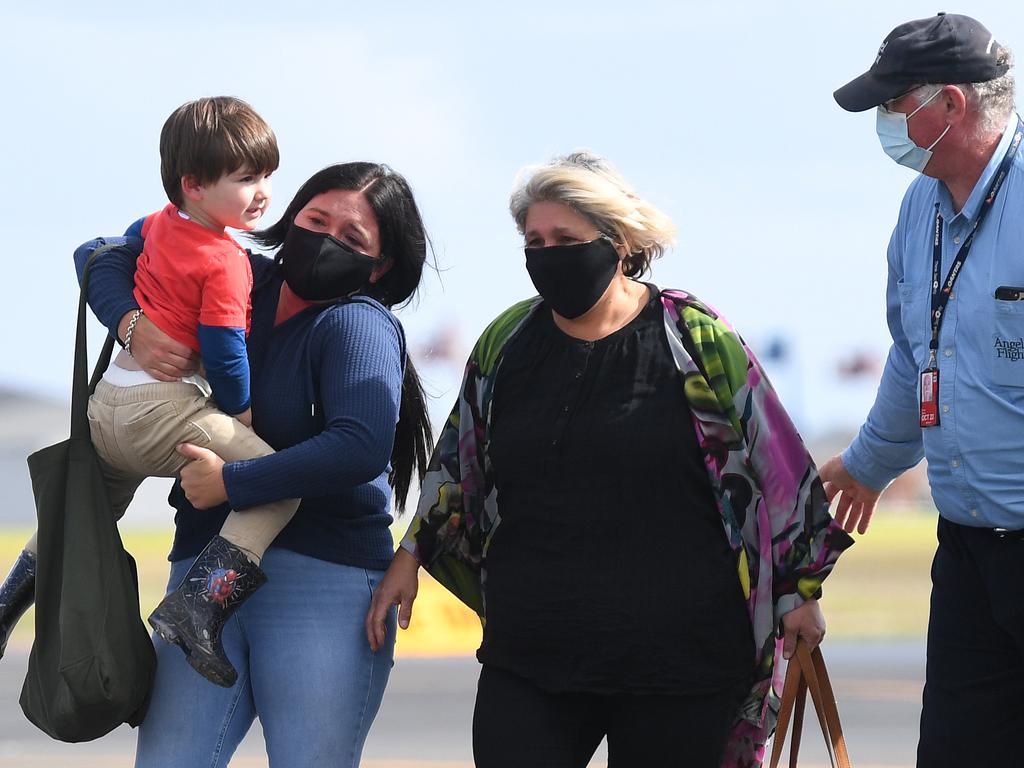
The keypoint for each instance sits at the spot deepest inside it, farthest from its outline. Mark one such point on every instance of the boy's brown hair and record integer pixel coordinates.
(210, 137)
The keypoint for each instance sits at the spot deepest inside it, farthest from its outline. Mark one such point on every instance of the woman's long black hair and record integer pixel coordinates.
(404, 240)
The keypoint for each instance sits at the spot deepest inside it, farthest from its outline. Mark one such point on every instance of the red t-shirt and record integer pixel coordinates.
(189, 276)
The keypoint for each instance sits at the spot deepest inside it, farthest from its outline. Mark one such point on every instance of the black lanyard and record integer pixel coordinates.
(940, 297)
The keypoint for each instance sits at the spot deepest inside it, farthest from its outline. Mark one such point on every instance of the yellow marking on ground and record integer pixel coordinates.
(879, 588)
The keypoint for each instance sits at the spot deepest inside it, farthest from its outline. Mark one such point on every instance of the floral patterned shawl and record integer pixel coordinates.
(772, 503)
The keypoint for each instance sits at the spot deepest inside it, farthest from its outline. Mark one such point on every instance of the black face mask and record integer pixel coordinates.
(319, 267)
(571, 278)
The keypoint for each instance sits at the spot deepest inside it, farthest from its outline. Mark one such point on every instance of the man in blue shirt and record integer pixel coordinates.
(953, 385)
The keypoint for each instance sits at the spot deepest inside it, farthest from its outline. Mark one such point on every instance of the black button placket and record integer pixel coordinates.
(579, 359)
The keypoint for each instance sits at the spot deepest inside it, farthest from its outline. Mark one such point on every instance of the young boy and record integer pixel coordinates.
(193, 282)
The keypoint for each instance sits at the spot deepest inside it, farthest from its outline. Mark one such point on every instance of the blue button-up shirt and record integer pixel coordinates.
(976, 454)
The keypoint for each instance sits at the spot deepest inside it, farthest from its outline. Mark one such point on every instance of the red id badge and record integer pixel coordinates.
(930, 397)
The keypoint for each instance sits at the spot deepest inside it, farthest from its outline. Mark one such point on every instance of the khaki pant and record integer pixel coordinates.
(136, 430)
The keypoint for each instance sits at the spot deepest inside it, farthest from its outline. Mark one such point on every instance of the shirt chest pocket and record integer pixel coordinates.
(1006, 347)
(915, 304)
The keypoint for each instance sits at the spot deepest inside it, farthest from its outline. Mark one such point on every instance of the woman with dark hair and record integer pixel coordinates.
(334, 393)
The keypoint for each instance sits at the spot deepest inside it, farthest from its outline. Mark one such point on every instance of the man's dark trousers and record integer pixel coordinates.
(974, 692)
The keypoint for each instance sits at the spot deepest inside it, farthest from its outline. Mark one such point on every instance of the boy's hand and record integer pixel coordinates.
(158, 354)
(245, 417)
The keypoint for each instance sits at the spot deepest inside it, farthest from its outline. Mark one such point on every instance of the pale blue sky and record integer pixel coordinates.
(720, 113)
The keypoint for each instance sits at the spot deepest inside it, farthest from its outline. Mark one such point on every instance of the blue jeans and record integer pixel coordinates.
(304, 668)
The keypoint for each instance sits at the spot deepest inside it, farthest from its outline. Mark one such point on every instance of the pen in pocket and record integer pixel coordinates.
(1009, 293)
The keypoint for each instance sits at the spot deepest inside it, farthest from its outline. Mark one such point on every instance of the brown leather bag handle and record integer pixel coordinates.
(807, 673)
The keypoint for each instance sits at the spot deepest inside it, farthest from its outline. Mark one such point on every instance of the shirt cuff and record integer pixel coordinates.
(857, 461)
(408, 543)
(786, 604)
(236, 497)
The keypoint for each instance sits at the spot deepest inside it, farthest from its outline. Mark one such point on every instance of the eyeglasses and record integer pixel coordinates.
(888, 105)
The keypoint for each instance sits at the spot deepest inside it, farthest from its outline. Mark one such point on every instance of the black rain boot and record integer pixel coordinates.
(17, 594)
(193, 615)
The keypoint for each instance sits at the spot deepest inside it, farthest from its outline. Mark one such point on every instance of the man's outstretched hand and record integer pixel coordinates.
(856, 500)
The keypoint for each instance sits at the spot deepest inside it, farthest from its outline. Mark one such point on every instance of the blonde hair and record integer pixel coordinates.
(590, 186)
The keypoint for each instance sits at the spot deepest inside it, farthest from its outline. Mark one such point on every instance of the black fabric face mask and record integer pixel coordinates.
(319, 267)
(571, 278)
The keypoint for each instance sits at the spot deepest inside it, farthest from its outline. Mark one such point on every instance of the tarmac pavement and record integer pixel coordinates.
(425, 719)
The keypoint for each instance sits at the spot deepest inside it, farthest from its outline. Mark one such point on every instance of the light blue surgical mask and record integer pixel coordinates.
(895, 137)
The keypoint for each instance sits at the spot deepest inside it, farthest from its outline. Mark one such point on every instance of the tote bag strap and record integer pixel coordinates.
(807, 672)
(82, 387)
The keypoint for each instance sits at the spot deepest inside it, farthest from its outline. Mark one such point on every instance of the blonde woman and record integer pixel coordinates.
(619, 492)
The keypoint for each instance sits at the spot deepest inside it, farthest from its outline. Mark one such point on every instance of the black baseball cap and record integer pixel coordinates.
(942, 49)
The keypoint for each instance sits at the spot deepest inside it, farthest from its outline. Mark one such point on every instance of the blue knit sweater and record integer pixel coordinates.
(325, 386)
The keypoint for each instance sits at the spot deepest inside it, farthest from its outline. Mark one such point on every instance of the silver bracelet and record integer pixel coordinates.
(130, 330)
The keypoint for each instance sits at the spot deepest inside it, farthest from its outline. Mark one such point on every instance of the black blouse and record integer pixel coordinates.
(610, 570)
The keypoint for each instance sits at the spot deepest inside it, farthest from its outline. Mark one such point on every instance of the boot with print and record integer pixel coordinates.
(193, 615)
(17, 594)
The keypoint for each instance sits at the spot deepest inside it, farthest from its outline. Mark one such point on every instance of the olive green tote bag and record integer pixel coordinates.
(92, 662)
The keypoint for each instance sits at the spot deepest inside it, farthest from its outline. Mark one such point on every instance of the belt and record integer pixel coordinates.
(1007, 533)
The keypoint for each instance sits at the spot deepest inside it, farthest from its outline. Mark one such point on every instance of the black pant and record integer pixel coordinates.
(974, 690)
(517, 724)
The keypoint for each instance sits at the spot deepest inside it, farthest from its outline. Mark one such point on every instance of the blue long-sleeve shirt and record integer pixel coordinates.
(326, 386)
(976, 454)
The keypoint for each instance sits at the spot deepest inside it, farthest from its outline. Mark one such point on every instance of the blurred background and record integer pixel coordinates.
(719, 113)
